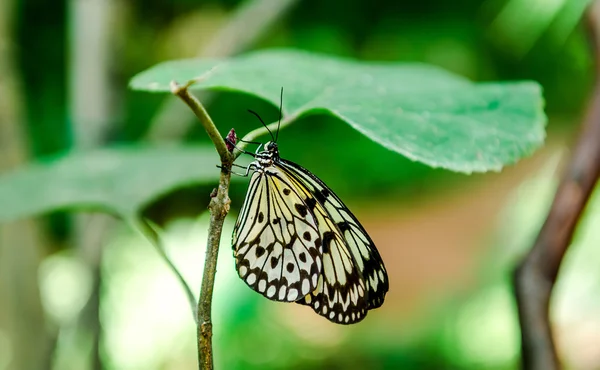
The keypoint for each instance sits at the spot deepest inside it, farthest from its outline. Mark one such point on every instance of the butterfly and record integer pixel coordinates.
(296, 241)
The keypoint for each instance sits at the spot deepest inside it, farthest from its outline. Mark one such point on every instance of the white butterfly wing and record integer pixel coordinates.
(353, 245)
(276, 242)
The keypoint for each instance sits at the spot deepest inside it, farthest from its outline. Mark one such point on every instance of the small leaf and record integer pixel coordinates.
(119, 180)
(423, 112)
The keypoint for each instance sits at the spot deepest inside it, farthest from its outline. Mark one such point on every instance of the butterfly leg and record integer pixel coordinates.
(248, 168)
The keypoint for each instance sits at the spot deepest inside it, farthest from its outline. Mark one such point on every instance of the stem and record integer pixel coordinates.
(91, 232)
(219, 207)
(536, 275)
(184, 94)
(149, 230)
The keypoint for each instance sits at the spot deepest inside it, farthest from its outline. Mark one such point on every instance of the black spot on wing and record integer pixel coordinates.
(302, 257)
(301, 208)
(316, 252)
(343, 226)
(270, 276)
(318, 243)
(328, 237)
(322, 195)
(340, 304)
(311, 203)
(372, 293)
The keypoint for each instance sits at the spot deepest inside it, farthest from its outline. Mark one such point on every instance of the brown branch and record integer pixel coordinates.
(219, 207)
(536, 275)
(184, 94)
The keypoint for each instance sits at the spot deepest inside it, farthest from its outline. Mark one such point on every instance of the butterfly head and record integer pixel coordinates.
(268, 155)
(271, 147)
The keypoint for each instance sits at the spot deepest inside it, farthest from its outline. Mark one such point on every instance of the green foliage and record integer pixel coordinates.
(478, 328)
(119, 180)
(420, 111)
(484, 41)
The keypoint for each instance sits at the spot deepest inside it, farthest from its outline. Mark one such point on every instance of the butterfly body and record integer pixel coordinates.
(295, 241)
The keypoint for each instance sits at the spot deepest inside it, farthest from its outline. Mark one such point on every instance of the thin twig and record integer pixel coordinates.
(184, 94)
(219, 207)
(92, 231)
(536, 275)
(150, 232)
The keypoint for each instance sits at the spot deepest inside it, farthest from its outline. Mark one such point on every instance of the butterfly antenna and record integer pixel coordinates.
(280, 114)
(263, 122)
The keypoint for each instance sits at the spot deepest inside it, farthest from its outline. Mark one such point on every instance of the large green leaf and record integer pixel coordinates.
(420, 111)
(119, 180)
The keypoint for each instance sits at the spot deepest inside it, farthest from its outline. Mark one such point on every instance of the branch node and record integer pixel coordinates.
(184, 94)
(175, 87)
(226, 206)
(206, 329)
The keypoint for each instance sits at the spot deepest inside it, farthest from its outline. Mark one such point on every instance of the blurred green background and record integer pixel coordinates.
(86, 292)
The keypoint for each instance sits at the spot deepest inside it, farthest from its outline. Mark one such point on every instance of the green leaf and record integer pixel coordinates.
(423, 112)
(118, 180)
